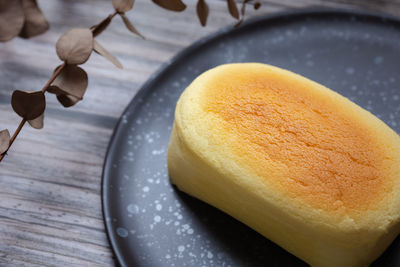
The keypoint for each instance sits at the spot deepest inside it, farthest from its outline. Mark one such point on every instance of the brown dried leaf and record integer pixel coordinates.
(239, 23)
(75, 46)
(123, 6)
(4, 140)
(243, 9)
(28, 105)
(257, 5)
(67, 100)
(38, 122)
(35, 23)
(173, 5)
(102, 51)
(11, 19)
(233, 9)
(99, 28)
(130, 26)
(202, 12)
(72, 80)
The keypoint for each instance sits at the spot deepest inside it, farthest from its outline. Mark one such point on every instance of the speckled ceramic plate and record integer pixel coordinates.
(151, 223)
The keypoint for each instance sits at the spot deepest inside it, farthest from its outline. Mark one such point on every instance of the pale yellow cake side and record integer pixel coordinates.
(208, 159)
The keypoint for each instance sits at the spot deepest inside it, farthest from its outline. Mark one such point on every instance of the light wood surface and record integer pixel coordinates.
(50, 205)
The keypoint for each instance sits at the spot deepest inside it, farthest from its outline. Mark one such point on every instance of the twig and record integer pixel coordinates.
(120, 8)
(44, 89)
(52, 78)
(22, 123)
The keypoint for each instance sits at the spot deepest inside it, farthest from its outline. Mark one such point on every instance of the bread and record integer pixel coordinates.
(302, 165)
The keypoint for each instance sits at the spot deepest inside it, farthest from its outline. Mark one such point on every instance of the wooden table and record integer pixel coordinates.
(50, 205)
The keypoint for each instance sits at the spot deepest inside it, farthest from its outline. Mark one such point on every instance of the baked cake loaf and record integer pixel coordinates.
(302, 165)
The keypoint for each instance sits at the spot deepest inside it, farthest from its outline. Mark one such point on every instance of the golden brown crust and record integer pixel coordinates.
(317, 151)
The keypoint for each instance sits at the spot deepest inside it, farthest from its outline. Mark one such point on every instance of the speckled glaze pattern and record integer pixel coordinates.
(149, 222)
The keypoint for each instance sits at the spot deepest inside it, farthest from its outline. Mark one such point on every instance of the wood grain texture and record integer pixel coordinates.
(50, 206)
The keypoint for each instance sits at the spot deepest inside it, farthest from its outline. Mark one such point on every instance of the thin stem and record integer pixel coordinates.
(114, 14)
(53, 77)
(111, 16)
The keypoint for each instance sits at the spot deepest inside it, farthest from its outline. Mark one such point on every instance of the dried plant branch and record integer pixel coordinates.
(68, 81)
(22, 123)
(74, 47)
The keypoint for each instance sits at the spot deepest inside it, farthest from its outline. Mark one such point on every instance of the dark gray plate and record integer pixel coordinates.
(149, 222)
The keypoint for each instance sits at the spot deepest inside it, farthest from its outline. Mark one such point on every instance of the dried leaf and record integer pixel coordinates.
(257, 5)
(11, 19)
(35, 23)
(123, 6)
(67, 100)
(4, 140)
(28, 105)
(102, 51)
(239, 23)
(38, 122)
(75, 46)
(243, 9)
(173, 5)
(72, 80)
(202, 12)
(130, 26)
(99, 28)
(233, 9)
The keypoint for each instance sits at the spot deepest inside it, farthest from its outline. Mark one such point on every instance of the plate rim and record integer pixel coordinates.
(146, 87)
